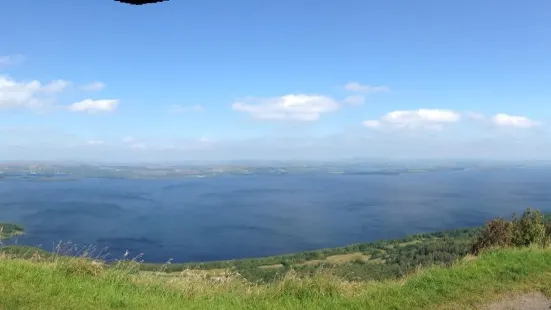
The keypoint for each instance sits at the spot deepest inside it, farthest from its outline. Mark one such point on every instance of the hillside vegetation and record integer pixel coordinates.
(367, 261)
(512, 257)
(78, 284)
(386, 259)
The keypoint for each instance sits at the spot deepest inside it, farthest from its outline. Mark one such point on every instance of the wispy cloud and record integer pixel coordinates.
(95, 142)
(10, 60)
(365, 88)
(437, 118)
(372, 124)
(355, 100)
(91, 106)
(474, 115)
(415, 119)
(128, 139)
(291, 107)
(94, 86)
(56, 86)
(361, 90)
(506, 120)
(138, 146)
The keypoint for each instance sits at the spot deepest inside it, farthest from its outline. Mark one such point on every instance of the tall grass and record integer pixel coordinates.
(82, 283)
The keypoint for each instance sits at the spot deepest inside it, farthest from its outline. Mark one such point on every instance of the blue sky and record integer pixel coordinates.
(281, 79)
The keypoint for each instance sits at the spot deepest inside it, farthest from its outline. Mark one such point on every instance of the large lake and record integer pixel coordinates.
(200, 219)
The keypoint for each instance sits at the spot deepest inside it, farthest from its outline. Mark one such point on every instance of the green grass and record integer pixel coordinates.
(72, 283)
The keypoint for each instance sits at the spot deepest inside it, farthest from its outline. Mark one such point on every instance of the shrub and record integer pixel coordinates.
(496, 233)
(530, 229)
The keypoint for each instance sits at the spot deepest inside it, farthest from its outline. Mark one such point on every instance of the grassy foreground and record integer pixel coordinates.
(76, 283)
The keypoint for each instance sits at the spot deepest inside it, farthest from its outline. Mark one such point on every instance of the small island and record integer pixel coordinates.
(8, 230)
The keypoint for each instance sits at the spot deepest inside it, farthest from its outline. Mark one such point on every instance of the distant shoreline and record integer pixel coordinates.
(136, 173)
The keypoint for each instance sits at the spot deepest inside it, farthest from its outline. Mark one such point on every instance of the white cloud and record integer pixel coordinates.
(94, 86)
(166, 144)
(56, 86)
(413, 119)
(289, 107)
(514, 121)
(138, 146)
(355, 100)
(357, 87)
(503, 120)
(128, 139)
(474, 115)
(27, 94)
(95, 142)
(177, 108)
(10, 60)
(372, 124)
(134, 143)
(437, 118)
(89, 105)
(422, 115)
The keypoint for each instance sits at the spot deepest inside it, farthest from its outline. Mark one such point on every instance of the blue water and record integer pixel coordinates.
(201, 219)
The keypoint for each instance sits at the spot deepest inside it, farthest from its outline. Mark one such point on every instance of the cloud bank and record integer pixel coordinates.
(438, 118)
(401, 133)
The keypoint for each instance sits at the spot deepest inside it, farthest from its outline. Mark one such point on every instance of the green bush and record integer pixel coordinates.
(496, 233)
(531, 229)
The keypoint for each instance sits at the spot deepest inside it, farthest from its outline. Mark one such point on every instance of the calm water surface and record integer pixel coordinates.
(199, 219)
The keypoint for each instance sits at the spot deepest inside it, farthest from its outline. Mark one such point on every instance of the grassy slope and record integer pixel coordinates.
(71, 284)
